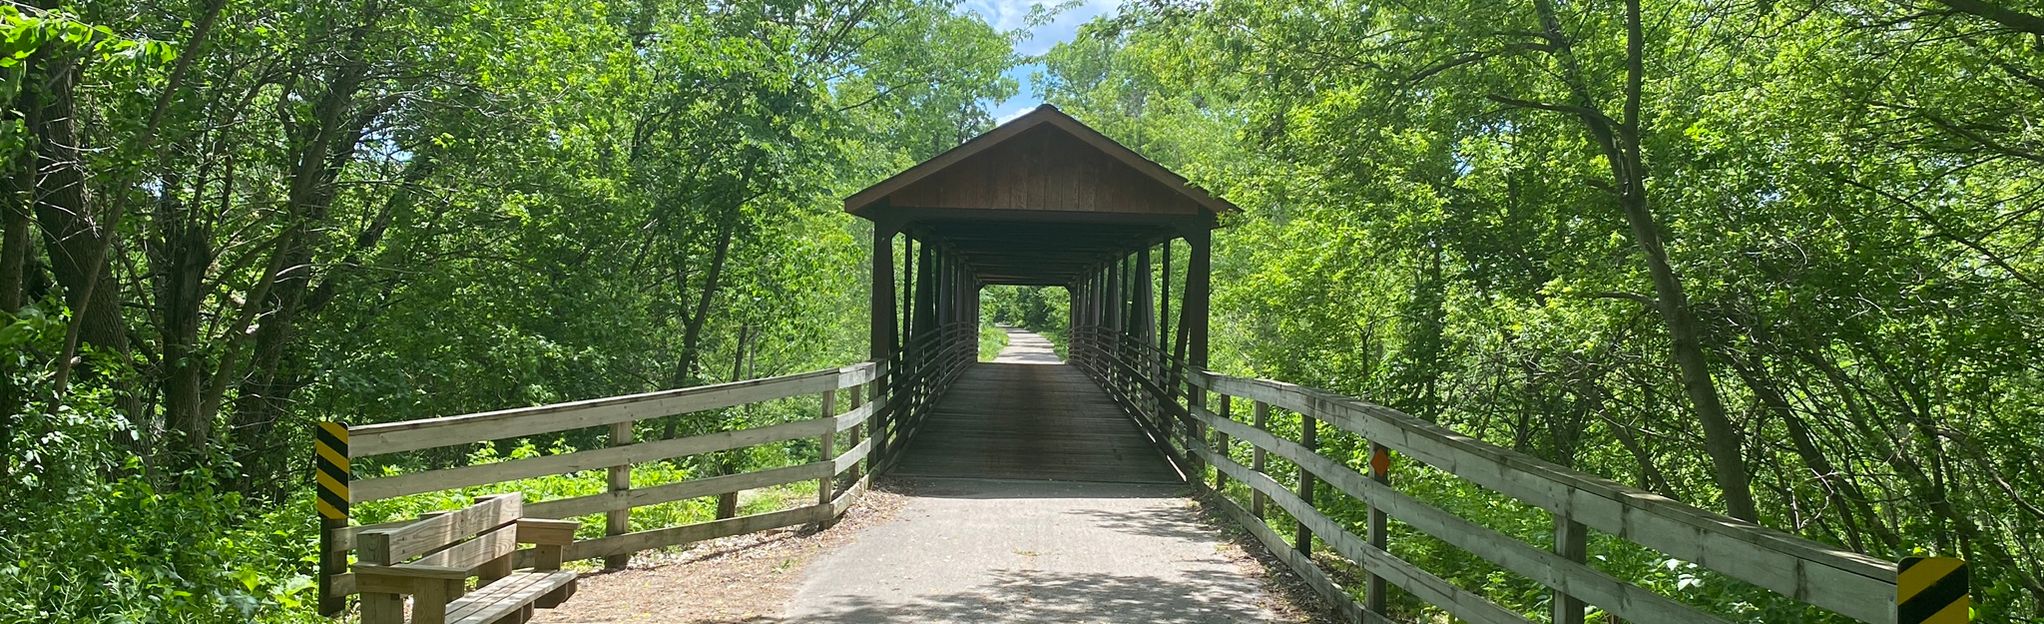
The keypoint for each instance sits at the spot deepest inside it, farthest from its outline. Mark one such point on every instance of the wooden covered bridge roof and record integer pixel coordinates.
(1038, 201)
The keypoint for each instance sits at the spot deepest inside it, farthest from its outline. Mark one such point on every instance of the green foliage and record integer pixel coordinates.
(88, 535)
(992, 340)
(1045, 310)
(1036, 308)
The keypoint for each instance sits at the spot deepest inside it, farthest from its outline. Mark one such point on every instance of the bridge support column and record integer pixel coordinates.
(1143, 358)
(1198, 273)
(883, 293)
(885, 347)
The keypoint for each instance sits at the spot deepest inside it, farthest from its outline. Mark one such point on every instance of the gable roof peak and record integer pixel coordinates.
(1044, 114)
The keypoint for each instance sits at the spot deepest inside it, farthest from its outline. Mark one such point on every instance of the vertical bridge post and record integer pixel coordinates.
(1309, 437)
(826, 445)
(857, 400)
(1221, 443)
(1256, 458)
(1570, 541)
(1380, 471)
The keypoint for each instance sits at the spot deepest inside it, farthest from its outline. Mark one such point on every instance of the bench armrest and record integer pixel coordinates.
(426, 582)
(547, 532)
(412, 571)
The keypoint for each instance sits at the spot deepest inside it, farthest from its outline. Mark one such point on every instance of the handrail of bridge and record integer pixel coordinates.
(619, 414)
(933, 359)
(1850, 584)
(889, 400)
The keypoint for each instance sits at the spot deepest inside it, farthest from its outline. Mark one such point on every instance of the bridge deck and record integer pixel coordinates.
(1028, 415)
(1030, 499)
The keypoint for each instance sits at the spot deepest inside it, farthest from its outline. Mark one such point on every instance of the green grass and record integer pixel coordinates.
(991, 341)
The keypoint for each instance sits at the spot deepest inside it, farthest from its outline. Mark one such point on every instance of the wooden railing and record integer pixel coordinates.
(887, 401)
(1199, 427)
(931, 361)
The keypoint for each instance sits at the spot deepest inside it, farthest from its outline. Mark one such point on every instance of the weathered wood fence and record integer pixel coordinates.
(1217, 428)
(867, 412)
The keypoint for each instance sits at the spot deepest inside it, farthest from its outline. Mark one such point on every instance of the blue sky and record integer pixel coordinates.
(1007, 15)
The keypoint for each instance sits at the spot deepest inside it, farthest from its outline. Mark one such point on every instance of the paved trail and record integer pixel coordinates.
(1020, 550)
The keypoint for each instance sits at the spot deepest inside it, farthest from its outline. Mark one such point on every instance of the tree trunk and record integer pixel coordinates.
(727, 461)
(64, 210)
(692, 332)
(1620, 142)
(692, 326)
(15, 247)
(1722, 440)
(328, 143)
(20, 198)
(178, 260)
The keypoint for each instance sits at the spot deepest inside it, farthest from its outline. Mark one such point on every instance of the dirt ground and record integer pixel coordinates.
(750, 578)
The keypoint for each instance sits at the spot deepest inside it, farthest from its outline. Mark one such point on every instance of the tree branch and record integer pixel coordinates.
(2004, 16)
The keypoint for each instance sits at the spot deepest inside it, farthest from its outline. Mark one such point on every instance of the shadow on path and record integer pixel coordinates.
(1045, 597)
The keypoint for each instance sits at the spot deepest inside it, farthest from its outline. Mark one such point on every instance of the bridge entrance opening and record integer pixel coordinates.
(1084, 249)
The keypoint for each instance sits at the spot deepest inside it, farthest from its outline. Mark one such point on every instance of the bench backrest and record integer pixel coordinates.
(463, 538)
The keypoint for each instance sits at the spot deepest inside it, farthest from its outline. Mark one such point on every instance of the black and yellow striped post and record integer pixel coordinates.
(1932, 590)
(330, 477)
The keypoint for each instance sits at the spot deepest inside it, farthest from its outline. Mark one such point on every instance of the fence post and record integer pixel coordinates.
(1222, 445)
(876, 423)
(619, 521)
(1256, 496)
(1309, 437)
(331, 476)
(858, 429)
(826, 487)
(1195, 436)
(1569, 542)
(1380, 471)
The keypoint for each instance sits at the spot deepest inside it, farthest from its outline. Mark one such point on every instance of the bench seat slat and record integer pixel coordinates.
(505, 596)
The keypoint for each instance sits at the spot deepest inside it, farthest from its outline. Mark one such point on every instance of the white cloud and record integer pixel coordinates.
(1012, 115)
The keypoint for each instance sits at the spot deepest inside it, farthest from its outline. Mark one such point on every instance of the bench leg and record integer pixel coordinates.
(383, 609)
(429, 606)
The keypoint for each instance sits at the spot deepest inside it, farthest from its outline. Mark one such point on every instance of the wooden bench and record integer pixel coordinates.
(432, 559)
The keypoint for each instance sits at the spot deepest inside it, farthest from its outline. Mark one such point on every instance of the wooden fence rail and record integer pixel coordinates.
(885, 400)
(1178, 414)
